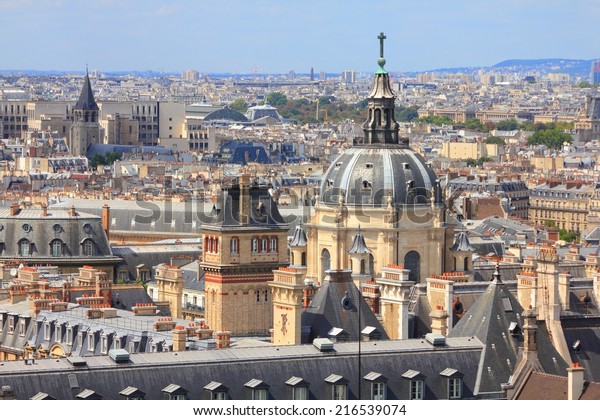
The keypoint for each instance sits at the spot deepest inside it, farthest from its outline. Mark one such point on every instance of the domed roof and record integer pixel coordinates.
(381, 169)
(370, 175)
(226, 114)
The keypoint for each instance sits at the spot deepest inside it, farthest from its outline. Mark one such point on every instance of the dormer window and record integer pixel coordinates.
(11, 324)
(91, 343)
(24, 248)
(56, 247)
(378, 385)
(417, 384)
(299, 388)
(104, 344)
(69, 337)
(217, 390)
(47, 331)
(22, 328)
(259, 389)
(57, 332)
(339, 387)
(88, 248)
(454, 383)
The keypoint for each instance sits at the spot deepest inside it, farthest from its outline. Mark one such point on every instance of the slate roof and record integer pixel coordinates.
(369, 175)
(264, 212)
(462, 243)
(327, 309)
(86, 99)
(586, 330)
(299, 238)
(359, 245)
(152, 372)
(489, 319)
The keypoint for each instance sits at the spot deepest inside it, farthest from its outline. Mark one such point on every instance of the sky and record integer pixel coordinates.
(276, 36)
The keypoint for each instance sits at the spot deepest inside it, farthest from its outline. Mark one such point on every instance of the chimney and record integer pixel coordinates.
(530, 330)
(72, 212)
(245, 202)
(223, 339)
(179, 338)
(44, 210)
(576, 381)
(439, 321)
(15, 208)
(106, 219)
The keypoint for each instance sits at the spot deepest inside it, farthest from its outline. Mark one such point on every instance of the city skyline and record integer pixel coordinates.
(277, 37)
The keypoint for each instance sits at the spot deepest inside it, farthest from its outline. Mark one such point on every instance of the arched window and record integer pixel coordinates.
(466, 266)
(88, 248)
(56, 248)
(412, 262)
(24, 248)
(362, 266)
(303, 259)
(325, 261)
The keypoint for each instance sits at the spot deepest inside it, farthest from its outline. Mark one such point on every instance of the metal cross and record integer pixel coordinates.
(381, 37)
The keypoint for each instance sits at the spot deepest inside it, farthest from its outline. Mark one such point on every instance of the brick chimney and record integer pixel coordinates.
(575, 381)
(223, 339)
(72, 212)
(106, 219)
(15, 208)
(179, 338)
(44, 210)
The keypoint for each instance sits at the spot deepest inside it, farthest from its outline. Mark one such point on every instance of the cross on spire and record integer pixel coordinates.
(381, 37)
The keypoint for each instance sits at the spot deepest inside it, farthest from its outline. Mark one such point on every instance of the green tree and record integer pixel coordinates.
(507, 125)
(239, 105)
(407, 113)
(584, 85)
(474, 124)
(436, 120)
(495, 140)
(551, 138)
(112, 157)
(566, 236)
(277, 99)
(527, 126)
(325, 100)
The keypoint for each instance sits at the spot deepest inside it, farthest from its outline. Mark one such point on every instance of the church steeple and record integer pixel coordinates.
(381, 126)
(86, 101)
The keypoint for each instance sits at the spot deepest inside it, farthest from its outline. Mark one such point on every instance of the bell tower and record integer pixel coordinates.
(244, 240)
(85, 129)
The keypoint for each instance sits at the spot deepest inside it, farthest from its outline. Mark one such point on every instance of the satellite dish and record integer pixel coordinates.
(13, 272)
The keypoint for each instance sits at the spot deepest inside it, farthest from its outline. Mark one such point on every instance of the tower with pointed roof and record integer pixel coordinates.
(85, 129)
(389, 190)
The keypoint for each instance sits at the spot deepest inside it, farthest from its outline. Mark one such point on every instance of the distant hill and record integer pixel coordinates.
(569, 66)
(572, 67)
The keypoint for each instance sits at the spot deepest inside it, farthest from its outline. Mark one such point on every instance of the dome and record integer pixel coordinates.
(370, 175)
